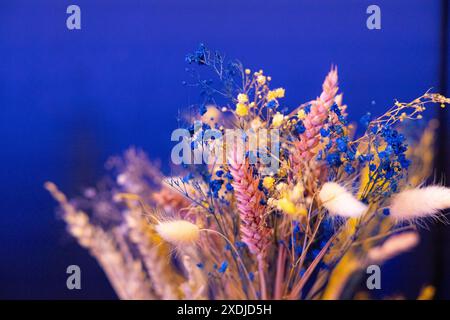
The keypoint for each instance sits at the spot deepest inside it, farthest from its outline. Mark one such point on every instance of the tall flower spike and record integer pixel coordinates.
(255, 234)
(317, 116)
(329, 88)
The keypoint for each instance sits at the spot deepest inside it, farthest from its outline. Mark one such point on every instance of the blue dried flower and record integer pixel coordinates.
(341, 144)
(223, 267)
(187, 177)
(307, 109)
(219, 173)
(349, 169)
(324, 133)
(300, 128)
(337, 129)
(334, 159)
(271, 104)
(260, 185)
(404, 162)
(199, 56)
(334, 108)
(298, 250)
(215, 186)
(240, 244)
(296, 227)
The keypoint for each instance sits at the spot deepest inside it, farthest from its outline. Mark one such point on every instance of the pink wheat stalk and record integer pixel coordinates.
(317, 116)
(255, 234)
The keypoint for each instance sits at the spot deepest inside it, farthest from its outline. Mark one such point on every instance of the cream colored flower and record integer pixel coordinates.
(242, 98)
(178, 232)
(261, 79)
(277, 120)
(268, 182)
(241, 109)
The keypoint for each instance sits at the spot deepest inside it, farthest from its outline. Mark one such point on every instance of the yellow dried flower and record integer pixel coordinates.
(282, 172)
(280, 92)
(287, 206)
(271, 95)
(241, 109)
(274, 94)
(242, 98)
(277, 120)
(302, 211)
(261, 79)
(268, 182)
(403, 116)
(301, 114)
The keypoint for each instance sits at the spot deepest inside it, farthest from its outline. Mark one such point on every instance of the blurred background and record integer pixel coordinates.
(71, 98)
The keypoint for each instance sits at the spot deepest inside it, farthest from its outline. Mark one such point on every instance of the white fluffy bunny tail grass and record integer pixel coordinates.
(178, 232)
(420, 203)
(340, 202)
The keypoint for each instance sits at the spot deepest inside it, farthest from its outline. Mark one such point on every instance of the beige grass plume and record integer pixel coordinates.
(339, 201)
(178, 232)
(420, 202)
(393, 246)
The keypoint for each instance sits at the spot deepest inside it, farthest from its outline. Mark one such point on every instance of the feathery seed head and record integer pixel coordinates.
(178, 232)
(339, 201)
(420, 202)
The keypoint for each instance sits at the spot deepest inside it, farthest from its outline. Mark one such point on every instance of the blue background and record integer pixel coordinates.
(69, 99)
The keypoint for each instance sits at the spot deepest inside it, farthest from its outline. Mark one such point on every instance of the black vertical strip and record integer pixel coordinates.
(442, 154)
